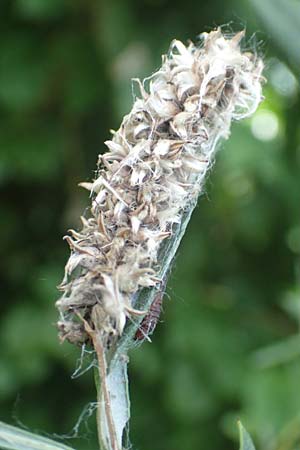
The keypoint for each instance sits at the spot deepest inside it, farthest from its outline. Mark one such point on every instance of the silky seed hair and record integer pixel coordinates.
(154, 168)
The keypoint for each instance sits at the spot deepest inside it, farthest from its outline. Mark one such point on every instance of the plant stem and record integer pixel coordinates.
(113, 365)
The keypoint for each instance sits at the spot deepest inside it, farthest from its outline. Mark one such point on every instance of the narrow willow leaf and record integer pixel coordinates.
(281, 19)
(14, 438)
(245, 439)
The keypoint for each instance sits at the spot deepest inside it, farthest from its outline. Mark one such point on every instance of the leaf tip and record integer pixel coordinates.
(246, 442)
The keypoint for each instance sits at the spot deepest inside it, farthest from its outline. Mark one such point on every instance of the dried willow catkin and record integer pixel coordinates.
(154, 168)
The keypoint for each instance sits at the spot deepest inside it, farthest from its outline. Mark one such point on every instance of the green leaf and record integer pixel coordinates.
(281, 19)
(245, 439)
(281, 352)
(13, 438)
(40, 10)
(24, 71)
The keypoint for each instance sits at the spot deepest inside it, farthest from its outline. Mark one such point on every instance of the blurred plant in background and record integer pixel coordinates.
(229, 345)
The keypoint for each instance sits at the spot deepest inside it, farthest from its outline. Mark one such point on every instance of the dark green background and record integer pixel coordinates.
(227, 347)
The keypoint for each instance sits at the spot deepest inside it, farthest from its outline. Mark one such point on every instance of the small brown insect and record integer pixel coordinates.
(149, 322)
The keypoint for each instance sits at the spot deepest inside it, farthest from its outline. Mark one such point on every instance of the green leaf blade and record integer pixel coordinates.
(246, 442)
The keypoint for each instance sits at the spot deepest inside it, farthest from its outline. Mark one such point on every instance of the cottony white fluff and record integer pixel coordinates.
(155, 166)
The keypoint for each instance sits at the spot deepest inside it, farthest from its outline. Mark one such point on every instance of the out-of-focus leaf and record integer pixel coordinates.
(271, 400)
(31, 152)
(24, 72)
(35, 9)
(281, 19)
(245, 439)
(278, 353)
(13, 438)
(78, 67)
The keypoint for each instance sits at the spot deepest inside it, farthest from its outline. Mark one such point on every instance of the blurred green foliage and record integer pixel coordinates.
(228, 346)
